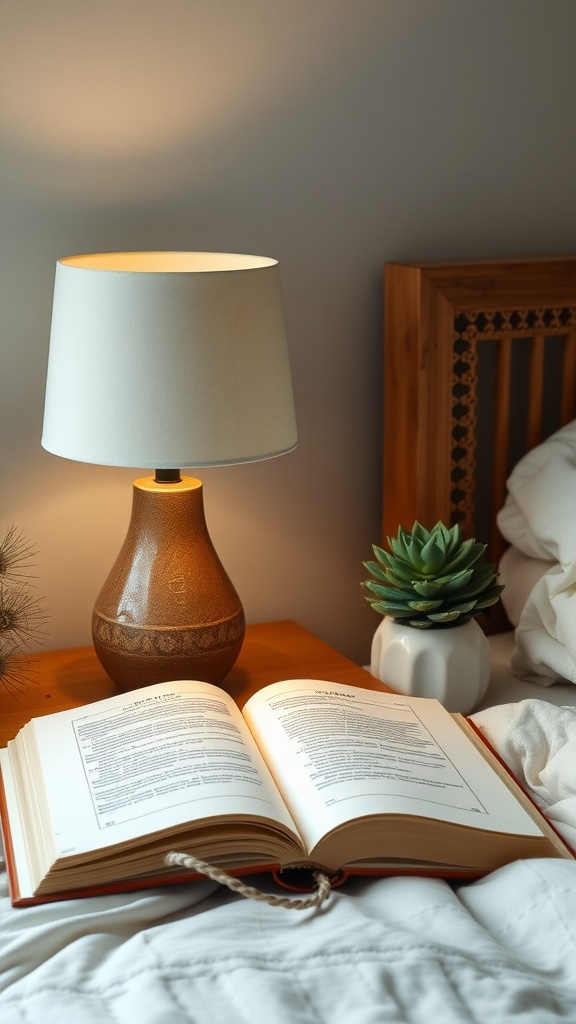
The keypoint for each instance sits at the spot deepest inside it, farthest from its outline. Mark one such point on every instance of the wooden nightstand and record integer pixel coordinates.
(272, 651)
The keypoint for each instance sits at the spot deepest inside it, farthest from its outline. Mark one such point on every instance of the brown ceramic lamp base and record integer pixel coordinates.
(167, 610)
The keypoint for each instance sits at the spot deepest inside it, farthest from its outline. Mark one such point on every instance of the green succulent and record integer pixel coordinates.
(431, 578)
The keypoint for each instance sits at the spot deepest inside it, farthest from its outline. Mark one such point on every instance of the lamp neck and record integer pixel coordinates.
(167, 476)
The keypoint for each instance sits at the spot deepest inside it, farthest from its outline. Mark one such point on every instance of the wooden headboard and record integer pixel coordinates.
(479, 367)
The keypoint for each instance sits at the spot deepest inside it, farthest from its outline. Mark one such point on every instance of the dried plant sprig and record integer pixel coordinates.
(17, 555)
(15, 670)
(22, 615)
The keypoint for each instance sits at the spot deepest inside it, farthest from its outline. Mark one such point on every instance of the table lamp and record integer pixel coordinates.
(168, 359)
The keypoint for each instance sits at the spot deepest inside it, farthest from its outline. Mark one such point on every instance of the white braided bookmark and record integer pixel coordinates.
(321, 893)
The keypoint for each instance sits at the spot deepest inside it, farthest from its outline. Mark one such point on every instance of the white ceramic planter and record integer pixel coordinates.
(451, 664)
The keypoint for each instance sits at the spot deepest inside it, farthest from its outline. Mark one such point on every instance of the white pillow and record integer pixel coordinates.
(519, 573)
(539, 515)
(539, 521)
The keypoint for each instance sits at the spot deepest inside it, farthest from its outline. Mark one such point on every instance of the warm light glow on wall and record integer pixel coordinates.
(110, 91)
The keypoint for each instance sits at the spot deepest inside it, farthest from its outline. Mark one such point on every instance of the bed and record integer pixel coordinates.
(480, 374)
(399, 949)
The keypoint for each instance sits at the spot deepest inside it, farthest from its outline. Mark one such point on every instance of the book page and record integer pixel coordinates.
(155, 757)
(339, 752)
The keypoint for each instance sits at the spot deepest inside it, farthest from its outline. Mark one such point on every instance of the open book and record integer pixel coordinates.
(310, 773)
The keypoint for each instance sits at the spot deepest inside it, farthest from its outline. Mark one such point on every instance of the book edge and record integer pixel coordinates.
(494, 759)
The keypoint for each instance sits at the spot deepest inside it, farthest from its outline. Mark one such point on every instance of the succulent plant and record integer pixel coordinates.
(431, 578)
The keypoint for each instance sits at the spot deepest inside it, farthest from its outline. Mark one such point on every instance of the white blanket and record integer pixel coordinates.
(539, 520)
(501, 950)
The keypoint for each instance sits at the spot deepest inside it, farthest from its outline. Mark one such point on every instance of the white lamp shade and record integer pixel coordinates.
(168, 360)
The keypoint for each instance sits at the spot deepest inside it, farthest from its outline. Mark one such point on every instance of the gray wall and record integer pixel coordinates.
(331, 134)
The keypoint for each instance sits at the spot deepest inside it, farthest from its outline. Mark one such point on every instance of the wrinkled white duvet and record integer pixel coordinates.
(396, 950)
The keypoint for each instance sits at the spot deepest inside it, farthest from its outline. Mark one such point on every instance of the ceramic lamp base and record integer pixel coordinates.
(168, 609)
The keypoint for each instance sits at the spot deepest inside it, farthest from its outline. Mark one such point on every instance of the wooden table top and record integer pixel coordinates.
(272, 651)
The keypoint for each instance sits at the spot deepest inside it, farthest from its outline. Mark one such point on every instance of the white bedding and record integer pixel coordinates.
(502, 949)
(506, 686)
(539, 521)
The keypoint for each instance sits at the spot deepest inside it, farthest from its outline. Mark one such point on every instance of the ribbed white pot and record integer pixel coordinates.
(451, 664)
